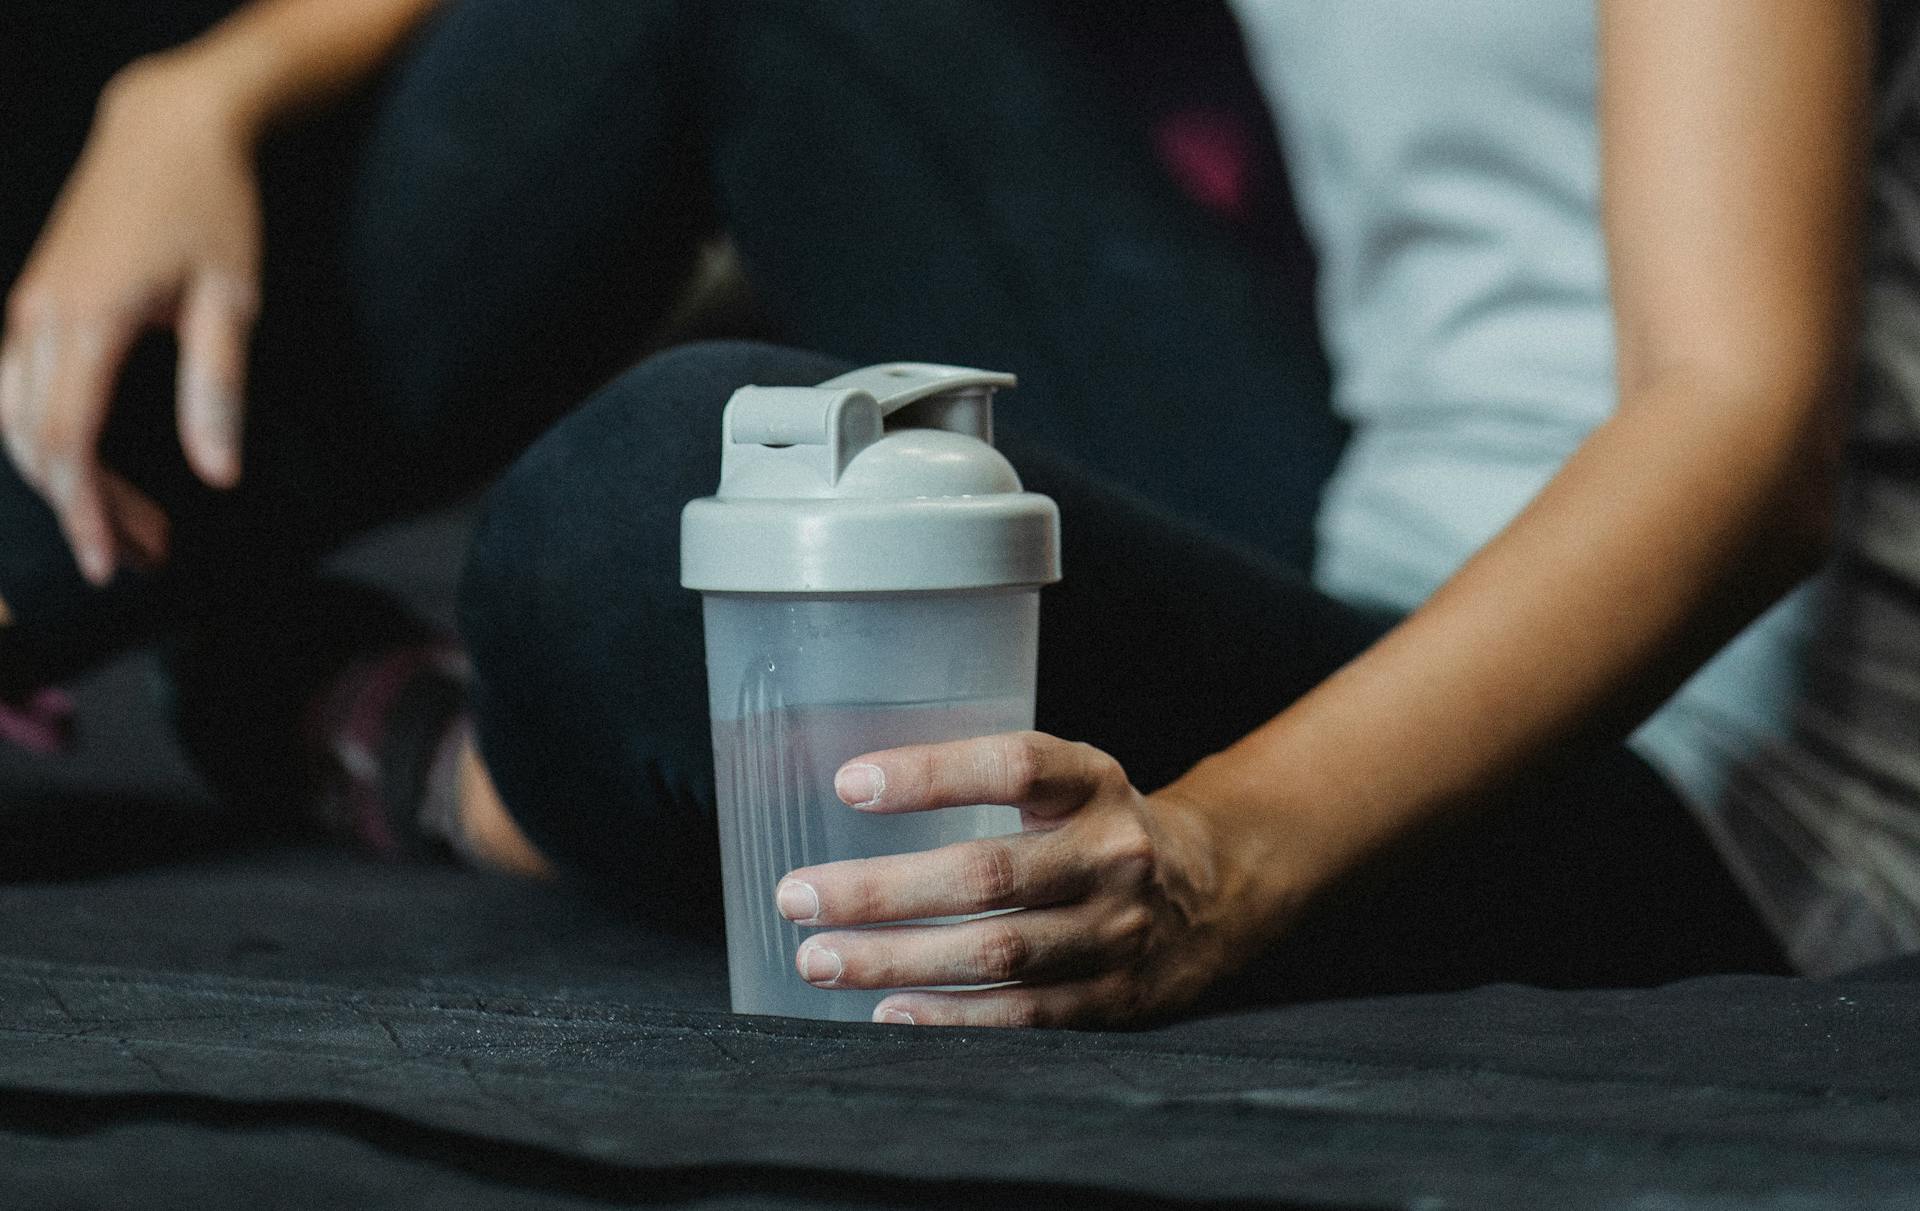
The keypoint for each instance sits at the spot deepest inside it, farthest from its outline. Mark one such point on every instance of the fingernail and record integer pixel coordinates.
(221, 452)
(797, 901)
(13, 377)
(95, 565)
(894, 1017)
(860, 785)
(62, 478)
(820, 965)
(216, 420)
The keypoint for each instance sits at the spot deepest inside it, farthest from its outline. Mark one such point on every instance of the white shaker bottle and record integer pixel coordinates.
(871, 572)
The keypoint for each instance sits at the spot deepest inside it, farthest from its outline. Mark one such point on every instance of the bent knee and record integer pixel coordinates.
(588, 516)
(588, 657)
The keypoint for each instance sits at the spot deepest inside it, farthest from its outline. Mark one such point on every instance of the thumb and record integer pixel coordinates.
(214, 329)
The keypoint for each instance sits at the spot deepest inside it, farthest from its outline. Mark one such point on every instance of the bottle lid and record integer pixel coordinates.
(882, 480)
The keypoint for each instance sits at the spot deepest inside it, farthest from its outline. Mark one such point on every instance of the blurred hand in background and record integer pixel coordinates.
(159, 226)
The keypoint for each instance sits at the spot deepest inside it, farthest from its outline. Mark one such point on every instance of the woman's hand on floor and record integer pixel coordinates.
(1134, 904)
(158, 226)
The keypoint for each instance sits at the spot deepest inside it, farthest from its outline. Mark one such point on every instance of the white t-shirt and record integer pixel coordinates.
(1446, 163)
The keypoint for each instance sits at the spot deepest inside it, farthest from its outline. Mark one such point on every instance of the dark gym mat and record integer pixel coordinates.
(416, 1036)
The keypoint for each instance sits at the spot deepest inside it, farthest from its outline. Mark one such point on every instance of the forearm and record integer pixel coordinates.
(1733, 147)
(1673, 526)
(274, 58)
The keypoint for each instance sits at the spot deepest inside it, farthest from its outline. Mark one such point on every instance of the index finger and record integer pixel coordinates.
(1040, 774)
(68, 382)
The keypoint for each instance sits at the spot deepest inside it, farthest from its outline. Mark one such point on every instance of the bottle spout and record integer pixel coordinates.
(923, 395)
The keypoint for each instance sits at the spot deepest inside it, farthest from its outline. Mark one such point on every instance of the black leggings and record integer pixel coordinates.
(1166, 641)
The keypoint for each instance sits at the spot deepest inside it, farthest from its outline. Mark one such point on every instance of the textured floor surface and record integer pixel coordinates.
(353, 1035)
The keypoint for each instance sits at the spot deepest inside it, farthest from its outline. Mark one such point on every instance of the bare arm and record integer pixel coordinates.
(1734, 135)
(158, 226)
(276, 57)
(1734, 144)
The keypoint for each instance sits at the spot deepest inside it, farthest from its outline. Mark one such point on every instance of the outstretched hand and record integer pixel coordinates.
(1128, 913)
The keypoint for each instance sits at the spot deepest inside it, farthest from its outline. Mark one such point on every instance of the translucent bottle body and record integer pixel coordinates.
(799, 685)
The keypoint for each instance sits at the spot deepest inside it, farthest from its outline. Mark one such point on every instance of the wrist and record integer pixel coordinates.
(1278, 842)
(229, 91)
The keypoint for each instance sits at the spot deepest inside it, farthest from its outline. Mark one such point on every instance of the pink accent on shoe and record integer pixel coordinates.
(349, 724)
(1208, 151)
(42, 724)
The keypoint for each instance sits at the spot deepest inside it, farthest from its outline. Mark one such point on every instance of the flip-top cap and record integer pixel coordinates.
(883, 480)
